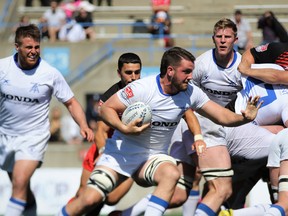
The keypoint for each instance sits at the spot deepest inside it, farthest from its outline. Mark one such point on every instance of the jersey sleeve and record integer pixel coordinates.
(132, 93)
(197, 72)
(198, 97)
(61, 89)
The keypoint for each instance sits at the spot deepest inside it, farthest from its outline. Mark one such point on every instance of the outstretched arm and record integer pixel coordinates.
(267, 75)
(225, 117)
(78, 115)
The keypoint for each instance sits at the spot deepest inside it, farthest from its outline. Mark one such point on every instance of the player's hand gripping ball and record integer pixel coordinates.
(135, 111)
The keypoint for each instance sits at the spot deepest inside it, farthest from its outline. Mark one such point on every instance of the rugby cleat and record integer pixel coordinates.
(226, 212)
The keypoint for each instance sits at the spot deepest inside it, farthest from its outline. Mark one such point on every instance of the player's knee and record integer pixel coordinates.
(221, 187)
(169, 172)
(103, 181)
(219, 181)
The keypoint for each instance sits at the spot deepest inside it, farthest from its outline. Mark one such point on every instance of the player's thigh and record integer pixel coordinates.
(215, 157)
(284, 167)
(23, 171)
(156, 169)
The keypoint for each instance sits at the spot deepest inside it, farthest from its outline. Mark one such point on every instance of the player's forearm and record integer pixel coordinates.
(271, 76)
(77, 112)
(231, 119)
(111, 118)
(192, 122)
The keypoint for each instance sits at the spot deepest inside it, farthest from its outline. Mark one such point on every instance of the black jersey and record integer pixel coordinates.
(276, 53)
(112, 90)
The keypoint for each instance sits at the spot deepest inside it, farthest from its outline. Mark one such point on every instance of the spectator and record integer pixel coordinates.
(160, 5)
(72, 32)
(71, 7)
(43, 3)
(245, 40)
(55, 125)
(85, 19)
(54, 18)
(109, 2)
(70, 131)
(161, 26)
(272, 29)
(23, 21)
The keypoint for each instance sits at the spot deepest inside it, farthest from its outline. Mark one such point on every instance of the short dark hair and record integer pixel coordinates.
(128, 58)
(31, 31)
(173, 57)
(238, 12)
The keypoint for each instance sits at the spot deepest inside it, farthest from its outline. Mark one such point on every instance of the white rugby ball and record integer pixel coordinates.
(135, 111)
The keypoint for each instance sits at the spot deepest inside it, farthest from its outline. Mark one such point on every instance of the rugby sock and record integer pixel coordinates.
(275, 210)
(138, 208)
(15, 207)
(257, 210)
(190, 205)
(204, 210)
(156, 206)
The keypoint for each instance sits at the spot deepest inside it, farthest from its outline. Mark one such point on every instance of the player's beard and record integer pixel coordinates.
(179, 85)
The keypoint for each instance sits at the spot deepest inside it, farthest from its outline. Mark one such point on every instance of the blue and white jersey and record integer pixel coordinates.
(167, 110)
(275, 107)
(25, 96)
(220, 84)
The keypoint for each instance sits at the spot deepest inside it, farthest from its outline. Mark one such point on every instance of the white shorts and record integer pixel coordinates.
(24, 147)
(125, 158)
(181, 143)
(279, 149)
(248, 141)
(213, 134)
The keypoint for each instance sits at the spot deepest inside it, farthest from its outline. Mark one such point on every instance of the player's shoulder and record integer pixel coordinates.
(6, 60)
(146, 81)
(204, 56)
(110, 91)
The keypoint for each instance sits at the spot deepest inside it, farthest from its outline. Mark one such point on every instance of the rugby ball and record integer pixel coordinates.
(135, 111)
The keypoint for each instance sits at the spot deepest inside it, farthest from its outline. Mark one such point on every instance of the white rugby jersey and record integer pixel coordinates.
(167, 110)
(275, 97)
(220, 84)
(25, 96)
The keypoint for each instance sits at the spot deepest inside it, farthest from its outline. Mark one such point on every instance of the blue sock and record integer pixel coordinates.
(194, 193)
(15, 207)
(156, 206)
(204, 208)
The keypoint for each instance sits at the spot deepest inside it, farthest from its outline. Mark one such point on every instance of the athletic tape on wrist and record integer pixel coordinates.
(198, 137)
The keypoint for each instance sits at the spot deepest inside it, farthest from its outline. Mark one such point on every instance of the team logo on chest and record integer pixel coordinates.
(34, 88)
(129, 92)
